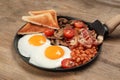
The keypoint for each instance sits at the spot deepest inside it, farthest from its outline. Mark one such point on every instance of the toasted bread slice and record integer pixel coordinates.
(31, 28)
(51, 11)
(45, 19)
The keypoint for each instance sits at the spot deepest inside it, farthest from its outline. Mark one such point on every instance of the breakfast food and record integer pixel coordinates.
(51, 11)
(32, 43)
(30, 28)
(76, 35)
(39, 21)
(68, 45)
(41, 52)
(48, 59)
(46, 19)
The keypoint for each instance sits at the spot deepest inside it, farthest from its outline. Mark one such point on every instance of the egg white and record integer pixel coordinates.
(26, 49)
(39, 58)
(37, 53)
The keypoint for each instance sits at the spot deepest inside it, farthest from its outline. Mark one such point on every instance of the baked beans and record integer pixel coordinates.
(81, 55)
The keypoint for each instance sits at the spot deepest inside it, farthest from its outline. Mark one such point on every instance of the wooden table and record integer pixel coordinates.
(12, 67)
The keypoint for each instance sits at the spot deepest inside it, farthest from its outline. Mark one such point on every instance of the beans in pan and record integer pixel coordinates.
(81, 55)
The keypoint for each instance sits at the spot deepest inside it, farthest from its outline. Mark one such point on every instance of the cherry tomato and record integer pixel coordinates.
(79, 24)
(69, 33)
(67, 63)
(49, 32)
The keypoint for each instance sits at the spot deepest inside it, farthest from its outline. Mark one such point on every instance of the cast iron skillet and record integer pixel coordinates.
(101, 29)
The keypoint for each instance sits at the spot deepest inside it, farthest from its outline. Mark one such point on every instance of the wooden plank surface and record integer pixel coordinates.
(12, 67)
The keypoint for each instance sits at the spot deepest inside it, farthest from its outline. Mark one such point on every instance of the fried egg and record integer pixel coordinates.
(41, 52)
(30, 44)
(50, 57)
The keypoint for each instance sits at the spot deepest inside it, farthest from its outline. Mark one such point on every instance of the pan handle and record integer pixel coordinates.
(113, 23)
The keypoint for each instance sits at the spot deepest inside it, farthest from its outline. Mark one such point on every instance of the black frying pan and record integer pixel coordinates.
(101, 29)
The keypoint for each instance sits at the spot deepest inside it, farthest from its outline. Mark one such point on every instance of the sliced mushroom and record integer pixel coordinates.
(52, 41)
(59, 34)
(57, 42)
(68, 26)
(63, 20)
(74, 41)
(63, 43)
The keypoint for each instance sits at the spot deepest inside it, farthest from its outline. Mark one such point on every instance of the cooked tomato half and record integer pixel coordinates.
(49, 32)
(79, 24)
(69, 33)
(67, 63)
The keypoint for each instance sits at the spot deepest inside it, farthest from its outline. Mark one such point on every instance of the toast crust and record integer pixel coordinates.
(31, 29)
(51, 11)
(45, 19)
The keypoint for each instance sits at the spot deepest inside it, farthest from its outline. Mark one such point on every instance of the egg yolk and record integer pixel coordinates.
(54, 52)
(37, 40)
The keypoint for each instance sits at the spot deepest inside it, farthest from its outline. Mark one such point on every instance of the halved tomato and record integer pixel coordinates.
(69, 33)
(67, 63)
(79, 24)
(49, 32)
